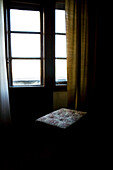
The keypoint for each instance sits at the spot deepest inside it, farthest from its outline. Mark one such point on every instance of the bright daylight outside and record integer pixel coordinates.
(60, 47)
(26, 45)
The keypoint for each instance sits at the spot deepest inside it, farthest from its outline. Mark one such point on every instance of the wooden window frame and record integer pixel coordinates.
(63, 85)
(31, 7)
(47, 41)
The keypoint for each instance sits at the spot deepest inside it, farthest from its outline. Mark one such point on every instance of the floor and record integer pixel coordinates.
(33, 148)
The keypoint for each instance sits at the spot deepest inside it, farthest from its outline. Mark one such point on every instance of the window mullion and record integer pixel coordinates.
(61, 58)
(9, 50)
(41, 43)
(60, 33)
(26, 58)
(25, 32)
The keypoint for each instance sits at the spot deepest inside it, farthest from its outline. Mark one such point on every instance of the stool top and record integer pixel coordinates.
(62, 118)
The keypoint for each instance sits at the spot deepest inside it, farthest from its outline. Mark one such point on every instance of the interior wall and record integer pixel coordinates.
(27, 104)
(59, 100)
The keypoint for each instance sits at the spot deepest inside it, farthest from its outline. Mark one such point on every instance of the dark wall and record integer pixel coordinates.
(101, 101)
(29, 103)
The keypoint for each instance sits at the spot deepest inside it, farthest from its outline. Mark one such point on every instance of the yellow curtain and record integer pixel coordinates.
(77, 52)
(84, 55)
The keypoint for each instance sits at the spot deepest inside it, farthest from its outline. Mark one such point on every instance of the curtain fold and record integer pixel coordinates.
(72, 35)
(84, 69)
(5, 118)
(80, 53)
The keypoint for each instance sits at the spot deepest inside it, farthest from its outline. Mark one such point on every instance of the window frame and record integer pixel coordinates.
(60, 86)
(47, 43)
(30, 7)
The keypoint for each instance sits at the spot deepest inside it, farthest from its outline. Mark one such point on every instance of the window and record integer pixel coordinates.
(26, 53)
(30, 38)
(60, 48)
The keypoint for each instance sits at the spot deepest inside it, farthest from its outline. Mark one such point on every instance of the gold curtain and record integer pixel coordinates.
(72, 34)
(78, 58)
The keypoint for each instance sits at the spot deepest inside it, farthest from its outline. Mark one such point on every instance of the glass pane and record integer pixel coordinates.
(60, 46)
(24, 20)
(60, 25)
(25, 45)
(60, 70)
(26, 72)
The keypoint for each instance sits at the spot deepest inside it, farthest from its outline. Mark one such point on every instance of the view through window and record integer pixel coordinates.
(26, 47)
(60, 48)
(25, 57)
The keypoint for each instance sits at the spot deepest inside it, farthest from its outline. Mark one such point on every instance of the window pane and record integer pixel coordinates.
(60, 70)
(24, 20)
(25, 45)
(60, 46)
(60, 26)
(26, 72)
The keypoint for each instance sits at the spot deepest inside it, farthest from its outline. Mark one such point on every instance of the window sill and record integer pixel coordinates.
(60, 87)
(36, 86)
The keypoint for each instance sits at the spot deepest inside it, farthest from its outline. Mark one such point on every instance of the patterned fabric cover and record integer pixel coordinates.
(62, 118)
